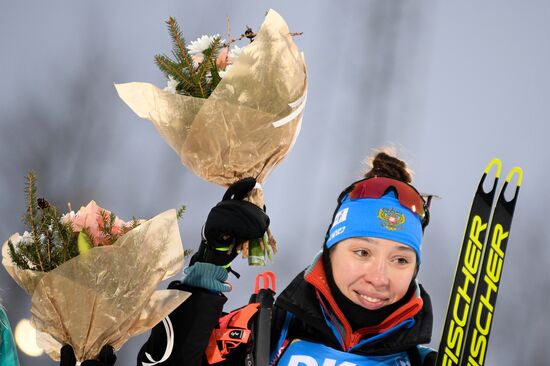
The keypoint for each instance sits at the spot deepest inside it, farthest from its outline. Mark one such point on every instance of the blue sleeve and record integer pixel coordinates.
(8, 351)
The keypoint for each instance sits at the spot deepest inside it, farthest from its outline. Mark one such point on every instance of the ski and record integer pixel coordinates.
(484, 301)
(458, 311)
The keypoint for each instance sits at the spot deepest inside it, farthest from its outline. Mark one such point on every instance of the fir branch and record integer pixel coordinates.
(207, 66)
(135, 223)
(17, 258)
(215, 77)
(49, 246)
(191, 81)
(178, 43)
(210, 56)
(180, 212)
(107, 223)
(45, 221)
(202, 87)
(180, 52)
(31, 217)
(187, 252)
(32, 208)
(63, 234)
(170, 68)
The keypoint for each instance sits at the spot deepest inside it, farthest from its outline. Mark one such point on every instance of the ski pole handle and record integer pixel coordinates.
(262, 323)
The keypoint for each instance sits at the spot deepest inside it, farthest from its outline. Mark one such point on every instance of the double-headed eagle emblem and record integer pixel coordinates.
(391, 219)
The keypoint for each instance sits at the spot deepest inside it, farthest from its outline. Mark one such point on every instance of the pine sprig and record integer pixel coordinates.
(182, 69)
(173, 69)
(210, 55)
(180, 212)
(17, 258)
(196, 81)
(107, 227)
(53, 239)
(64, 234)
(135, 223)
(178, 44)
(32, 215)
(50, 241)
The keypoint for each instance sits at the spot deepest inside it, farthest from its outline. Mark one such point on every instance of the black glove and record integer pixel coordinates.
(430, 359)
(231, 221)
(106, 357)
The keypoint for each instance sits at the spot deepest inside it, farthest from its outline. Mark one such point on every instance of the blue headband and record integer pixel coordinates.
(381, 217)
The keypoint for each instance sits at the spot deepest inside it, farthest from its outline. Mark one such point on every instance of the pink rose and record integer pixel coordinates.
(223, 58)
(91, 219)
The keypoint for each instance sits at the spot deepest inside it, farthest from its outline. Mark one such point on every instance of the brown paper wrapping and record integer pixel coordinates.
(107, 295)
(248, 124)
(250, 121)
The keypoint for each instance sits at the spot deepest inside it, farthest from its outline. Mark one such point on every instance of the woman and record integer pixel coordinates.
(8, 351)
(358, 303)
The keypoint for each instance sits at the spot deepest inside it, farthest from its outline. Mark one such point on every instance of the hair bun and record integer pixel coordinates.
(385, 164)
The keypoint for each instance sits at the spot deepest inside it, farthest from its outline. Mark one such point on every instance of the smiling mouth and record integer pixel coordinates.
(371, 299)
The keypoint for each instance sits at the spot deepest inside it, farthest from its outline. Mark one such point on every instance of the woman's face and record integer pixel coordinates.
(373, 272)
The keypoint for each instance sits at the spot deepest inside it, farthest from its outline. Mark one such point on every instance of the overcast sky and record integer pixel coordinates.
(451, 84)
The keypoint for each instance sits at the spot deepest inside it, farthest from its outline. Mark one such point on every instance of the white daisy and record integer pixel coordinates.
(171, 85)
(201, 44)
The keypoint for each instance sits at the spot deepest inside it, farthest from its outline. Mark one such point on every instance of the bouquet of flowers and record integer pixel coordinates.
(229, 112)
(92, 276)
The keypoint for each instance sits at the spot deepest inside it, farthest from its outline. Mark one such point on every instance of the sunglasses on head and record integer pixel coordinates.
(377, 187)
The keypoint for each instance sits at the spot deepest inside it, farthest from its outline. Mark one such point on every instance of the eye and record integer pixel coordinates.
(402, 260)
(361, 252)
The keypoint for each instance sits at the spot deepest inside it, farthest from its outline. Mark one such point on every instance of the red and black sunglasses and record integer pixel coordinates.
(377, 187)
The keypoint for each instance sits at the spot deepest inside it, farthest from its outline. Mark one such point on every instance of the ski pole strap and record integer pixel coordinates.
(233, 330)
(250, 325)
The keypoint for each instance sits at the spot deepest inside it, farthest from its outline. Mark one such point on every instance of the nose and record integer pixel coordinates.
(377, 273)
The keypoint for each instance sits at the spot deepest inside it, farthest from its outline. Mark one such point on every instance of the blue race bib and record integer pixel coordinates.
(303, 353)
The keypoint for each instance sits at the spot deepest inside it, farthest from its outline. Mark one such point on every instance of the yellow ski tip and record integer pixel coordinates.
(516, 170)
(496, 162)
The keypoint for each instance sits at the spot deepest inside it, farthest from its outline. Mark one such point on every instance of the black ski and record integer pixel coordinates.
(452, 343)
(483, 304)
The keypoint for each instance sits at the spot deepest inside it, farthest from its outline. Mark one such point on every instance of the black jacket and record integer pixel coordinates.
(195, 319)
(302, 299)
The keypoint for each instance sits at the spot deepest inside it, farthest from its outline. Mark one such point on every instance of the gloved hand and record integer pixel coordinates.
(207, 276)
(106, 357)
(231, 221)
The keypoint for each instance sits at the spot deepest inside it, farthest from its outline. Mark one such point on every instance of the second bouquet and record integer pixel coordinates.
(93, 277)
